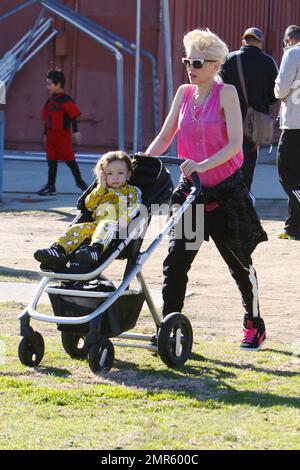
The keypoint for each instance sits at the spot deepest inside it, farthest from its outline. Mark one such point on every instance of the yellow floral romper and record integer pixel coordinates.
(111, 209)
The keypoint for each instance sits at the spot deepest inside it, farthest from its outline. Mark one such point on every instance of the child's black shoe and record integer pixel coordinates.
(55, 256)
(90, 255)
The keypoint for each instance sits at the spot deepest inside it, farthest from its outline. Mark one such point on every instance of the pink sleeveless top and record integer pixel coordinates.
(202, 132)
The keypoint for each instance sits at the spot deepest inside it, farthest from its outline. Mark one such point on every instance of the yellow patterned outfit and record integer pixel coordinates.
(111, 209)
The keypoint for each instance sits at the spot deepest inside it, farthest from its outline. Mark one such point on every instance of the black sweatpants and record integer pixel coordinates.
(288, 164)
(250, 157)
(179, 261)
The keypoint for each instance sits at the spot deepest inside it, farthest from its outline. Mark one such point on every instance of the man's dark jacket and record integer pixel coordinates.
(260, 72)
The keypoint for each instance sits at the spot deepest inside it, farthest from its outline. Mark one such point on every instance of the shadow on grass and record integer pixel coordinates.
(206, 382)
(19, 273)
(54, 371)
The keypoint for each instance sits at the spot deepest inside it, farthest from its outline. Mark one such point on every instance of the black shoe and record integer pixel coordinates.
(90, 255)
(54, 256)
(82, 185)
(47, 190)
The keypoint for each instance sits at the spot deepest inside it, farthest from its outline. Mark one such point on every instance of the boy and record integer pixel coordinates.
(59, 114)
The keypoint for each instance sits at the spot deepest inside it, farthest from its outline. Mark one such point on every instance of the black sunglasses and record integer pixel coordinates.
(196, 63)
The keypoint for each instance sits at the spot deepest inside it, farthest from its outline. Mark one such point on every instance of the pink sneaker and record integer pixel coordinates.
(254, 335)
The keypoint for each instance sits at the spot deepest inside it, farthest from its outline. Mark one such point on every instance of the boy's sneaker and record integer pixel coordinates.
(47, 190)
(55, 256)
(82, 185)
(90, 255)
(254, 334)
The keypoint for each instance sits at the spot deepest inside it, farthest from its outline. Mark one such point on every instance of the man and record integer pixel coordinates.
(287, 88)
(260, 72)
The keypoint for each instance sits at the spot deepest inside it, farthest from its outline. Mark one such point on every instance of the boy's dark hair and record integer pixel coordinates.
(57, 76)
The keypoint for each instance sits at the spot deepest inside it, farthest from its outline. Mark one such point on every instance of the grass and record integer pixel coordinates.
(222, 398)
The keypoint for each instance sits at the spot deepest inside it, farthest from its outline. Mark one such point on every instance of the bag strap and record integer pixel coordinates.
(241, 76)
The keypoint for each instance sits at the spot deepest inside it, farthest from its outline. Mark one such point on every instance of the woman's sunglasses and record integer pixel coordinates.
(196, 63)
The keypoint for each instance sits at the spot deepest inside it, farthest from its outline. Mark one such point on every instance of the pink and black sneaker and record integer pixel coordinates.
(254, 334)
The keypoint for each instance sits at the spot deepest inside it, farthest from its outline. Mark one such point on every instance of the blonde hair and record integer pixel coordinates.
(206, 42)
(111, 157)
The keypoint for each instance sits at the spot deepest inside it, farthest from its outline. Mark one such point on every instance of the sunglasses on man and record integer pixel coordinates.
(196, 63)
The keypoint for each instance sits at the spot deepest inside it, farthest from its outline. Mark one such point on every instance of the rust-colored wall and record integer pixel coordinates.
(90, 69)
(229, 19)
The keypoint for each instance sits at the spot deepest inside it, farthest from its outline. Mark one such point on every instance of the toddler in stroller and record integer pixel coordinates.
(113, 203)
(88, 308)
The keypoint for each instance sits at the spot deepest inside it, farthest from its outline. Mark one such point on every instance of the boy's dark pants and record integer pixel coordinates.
(52, 171)
(288, 163)
(179, 260)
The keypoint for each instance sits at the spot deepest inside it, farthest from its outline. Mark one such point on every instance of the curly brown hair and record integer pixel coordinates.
(109, 157)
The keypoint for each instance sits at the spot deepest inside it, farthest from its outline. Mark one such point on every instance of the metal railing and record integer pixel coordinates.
(13, 61)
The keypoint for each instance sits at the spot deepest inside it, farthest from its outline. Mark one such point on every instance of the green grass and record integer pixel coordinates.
(222, 399)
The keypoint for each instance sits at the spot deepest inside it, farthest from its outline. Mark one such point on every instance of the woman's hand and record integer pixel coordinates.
(189, 166)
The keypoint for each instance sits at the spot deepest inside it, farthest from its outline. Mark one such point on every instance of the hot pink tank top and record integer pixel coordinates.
(202, 132)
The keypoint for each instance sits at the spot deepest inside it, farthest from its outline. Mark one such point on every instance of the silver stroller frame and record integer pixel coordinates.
(31, 351)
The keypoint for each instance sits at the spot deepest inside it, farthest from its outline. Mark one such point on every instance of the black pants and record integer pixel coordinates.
(288, 163)
(52, 171)
(250, 157)
(179, 261)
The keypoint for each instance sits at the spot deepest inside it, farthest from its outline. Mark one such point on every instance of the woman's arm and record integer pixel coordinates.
(231, 106)
(169, 128)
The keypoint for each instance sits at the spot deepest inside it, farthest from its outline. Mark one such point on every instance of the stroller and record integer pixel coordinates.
(89, 310)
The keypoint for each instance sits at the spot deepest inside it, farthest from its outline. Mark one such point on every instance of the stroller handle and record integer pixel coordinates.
(178, 161)
(197, 184)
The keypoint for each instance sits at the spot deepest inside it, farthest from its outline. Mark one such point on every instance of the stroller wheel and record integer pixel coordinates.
(74, 344)
(31, 350)
(175, 339)
(101, 356)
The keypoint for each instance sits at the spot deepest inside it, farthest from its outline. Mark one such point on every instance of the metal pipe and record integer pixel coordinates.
(137, 76)
(21, 41)
(17, 9)
(150, 347)
(42, 44)
(26, 45)
(79, 21)
(8, 62)
(149, 300)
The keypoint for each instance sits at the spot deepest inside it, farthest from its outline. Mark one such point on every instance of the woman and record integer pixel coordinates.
(207, 117)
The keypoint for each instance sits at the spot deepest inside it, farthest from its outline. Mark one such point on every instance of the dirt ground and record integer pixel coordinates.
(214, 307)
